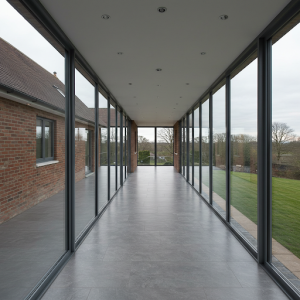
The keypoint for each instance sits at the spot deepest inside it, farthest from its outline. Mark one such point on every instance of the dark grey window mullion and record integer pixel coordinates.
(210, 147)
(96, 141)
(193, 146)
(187, 148)
(200, 147)
(263, 194)
(180, 147)
(228, 146)
(121, 148)
(116, 147)
(108, 148)
(155, 146)
(70, 147)
(43, 139)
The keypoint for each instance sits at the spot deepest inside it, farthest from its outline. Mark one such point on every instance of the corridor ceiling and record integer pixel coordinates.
(171, 41)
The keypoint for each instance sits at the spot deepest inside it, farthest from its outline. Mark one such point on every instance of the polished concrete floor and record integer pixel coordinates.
(159, 240)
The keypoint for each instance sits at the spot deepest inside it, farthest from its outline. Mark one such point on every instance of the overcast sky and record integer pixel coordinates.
(286, 76)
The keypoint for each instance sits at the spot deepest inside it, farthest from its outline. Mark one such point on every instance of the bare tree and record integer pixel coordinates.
(143, 143)
(281, 134)
(166, 137)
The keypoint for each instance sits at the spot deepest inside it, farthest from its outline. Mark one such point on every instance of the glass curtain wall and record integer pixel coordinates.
(205, 150)
(112, 153)
(182, 147)
(219, 151)
(84, 152)
(191, 150)
(165, 141)
(286, 153)
(146, 146)
(103, 157)
(32, 192)
(243, 189)
(196, 161)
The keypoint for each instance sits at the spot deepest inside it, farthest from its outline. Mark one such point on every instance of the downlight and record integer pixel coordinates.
(203, 53)
(223, 17)
(105, 17)
(158, 70)
(162, 9)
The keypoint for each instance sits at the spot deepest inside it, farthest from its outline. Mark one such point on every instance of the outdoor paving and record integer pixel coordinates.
(159, 240)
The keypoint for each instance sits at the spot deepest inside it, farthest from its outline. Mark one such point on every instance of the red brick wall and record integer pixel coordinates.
(133, 146)
(22, 184)
(177, 146)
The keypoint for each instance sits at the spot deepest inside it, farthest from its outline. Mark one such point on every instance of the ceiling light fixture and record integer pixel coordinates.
(162, 9)
(203, 53)
(130, 83)
(158, 70)
(120, 53)
(187, 83)
(223, 17)
(105, 17)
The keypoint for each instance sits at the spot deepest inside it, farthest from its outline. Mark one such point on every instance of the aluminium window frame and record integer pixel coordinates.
(52, 122)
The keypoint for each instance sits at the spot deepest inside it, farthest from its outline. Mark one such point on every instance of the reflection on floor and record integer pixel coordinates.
(33, 241)
(159, 240)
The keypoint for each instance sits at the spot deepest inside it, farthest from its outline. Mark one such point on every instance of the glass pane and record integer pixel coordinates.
(48, 139)
(164, 146)
(191, 163)
(84, 152)
(113, 157)
(219, 151)
(146, 151)
(286, 155)
(32, 213)
(39, 153)
(205, 150)
(103, 162)
(196, 149)
(184, 147)
(244, 152)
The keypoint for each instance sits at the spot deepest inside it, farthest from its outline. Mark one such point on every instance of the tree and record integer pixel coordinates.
(143, 143)
(166, 139)
(281, 134)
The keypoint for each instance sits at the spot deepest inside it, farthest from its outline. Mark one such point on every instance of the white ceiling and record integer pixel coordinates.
(171, 41)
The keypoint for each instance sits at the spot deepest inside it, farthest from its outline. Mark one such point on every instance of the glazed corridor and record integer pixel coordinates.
(159, 240)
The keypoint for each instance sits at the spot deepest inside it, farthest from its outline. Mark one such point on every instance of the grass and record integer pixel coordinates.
(285, 204)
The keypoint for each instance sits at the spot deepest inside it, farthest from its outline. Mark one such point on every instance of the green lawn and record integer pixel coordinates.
(285, 204)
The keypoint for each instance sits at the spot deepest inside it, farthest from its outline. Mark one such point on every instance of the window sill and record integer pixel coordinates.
(46, 163)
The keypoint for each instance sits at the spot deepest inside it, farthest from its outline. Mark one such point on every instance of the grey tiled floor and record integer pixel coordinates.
(159, 240)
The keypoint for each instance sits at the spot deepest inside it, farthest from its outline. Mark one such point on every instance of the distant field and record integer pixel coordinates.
(285, 204)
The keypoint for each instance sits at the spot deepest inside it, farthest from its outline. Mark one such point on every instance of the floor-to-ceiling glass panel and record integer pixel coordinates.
(219, 151)
(127, 147)
(182, 148)
(205, 150)
(286, 154)
(243, 190)
(32, 155)
(165, 140)
(103, 158)
(112, 153)
(119, 116)
(146, 149)
(196, 150)
(84, 152)
(191, 163)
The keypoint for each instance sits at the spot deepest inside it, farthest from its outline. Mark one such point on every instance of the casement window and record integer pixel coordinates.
(44, 139)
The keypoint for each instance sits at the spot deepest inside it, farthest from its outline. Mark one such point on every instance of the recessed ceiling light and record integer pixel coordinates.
(120, 53)
(180, 97)
(158, 70)
(162, 9)
(223, 17)
(105, 17)
(203, 53)
(187, 83)
(130, 83)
